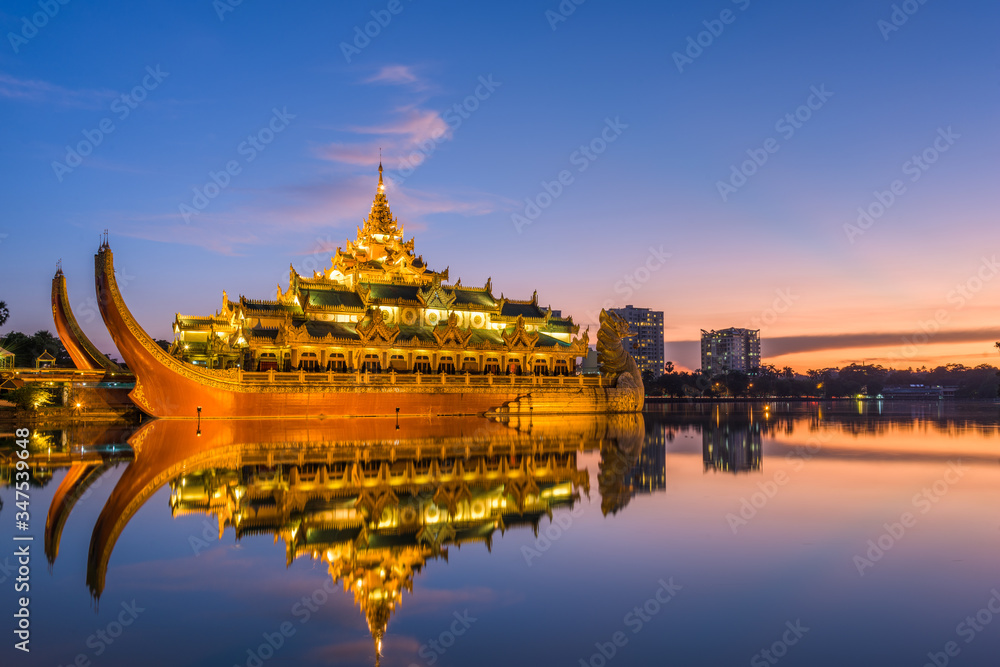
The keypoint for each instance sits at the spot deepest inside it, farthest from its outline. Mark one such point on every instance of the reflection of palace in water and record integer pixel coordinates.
(373, 499)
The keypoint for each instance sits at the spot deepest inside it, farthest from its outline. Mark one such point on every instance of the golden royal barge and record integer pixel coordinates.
(377, 333)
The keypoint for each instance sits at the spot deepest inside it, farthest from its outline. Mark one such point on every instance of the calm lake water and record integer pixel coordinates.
(801, 534)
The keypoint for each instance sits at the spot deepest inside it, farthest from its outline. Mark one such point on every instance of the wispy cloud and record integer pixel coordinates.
(246, 218)
(397, 75)
(400, 136)
(817, 342)
(43, 92)
(408, 126)
(258, 217)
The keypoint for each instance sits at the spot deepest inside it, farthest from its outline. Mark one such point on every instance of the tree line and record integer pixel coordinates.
(27, 349)
(982, 381)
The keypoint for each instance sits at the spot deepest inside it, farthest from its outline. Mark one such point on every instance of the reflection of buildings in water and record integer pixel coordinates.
(649, 474)
(731, 446)
(88, 451)
(373, 501)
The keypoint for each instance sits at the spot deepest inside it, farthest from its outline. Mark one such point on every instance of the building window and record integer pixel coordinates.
(422, 364)
(372, 364)
(337, 363)
(308, 362)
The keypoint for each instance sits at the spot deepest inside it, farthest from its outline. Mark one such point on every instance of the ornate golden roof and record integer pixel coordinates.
(379, 252)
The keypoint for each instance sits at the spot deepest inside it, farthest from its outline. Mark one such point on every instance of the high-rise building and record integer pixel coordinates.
(730, 350)
(647, 345)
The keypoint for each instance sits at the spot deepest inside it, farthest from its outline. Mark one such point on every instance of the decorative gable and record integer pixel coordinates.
(374, 329)
(518, 337)
(436, 296)
(450, 334)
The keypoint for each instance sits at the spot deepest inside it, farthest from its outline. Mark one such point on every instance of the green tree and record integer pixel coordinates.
(4, 313)
(29, 397)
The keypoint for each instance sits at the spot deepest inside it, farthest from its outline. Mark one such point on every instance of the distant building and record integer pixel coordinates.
(918, 391)
(647, 345)
(730, 350)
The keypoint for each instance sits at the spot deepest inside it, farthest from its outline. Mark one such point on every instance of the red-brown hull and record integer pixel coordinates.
(168, 387)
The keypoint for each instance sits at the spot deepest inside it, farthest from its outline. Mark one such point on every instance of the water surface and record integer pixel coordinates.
(824, 534)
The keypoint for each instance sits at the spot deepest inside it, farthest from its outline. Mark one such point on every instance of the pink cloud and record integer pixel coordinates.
(401, 138)
(328, 208)
(395, 74)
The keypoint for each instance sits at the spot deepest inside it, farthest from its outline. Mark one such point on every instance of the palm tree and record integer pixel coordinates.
(4, 313)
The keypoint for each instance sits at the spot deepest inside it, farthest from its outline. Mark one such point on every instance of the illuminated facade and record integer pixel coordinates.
(730, 350)
(647, 344)
(378, 308)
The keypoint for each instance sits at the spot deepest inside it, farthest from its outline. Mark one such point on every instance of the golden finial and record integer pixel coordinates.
(381, 187)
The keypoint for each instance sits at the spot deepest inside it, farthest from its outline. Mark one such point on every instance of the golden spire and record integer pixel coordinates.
(381, 186)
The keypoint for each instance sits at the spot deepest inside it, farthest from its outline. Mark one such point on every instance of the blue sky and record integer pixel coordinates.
(553, 87)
